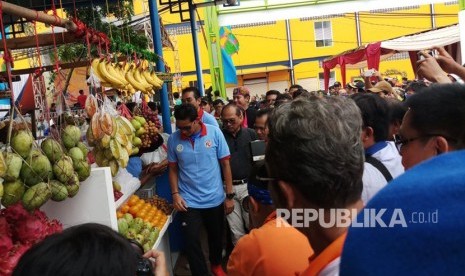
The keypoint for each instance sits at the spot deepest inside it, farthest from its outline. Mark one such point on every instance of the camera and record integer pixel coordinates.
(144, 265)
(429, 52)
(257, 149)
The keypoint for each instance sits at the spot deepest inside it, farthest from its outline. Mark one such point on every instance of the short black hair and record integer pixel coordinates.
(272, 92)
(239, 110)
(192, 89)
(283, 97)
(440, 109)
(87, 249)
(375, 114)
(262, 112)
(295, 86)
(131, 106)
(185, 111)
(416, 86)
(298, 92)
(152, 106)
(397, 110)
(217, 102)
(176, 95)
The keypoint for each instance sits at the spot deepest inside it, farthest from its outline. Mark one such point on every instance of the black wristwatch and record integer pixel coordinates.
(230, 196)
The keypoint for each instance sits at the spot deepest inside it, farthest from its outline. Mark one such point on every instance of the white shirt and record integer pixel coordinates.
(373, 179)
(332, 269)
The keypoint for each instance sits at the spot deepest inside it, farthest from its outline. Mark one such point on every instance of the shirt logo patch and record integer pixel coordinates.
(179, 148)
(208, 144)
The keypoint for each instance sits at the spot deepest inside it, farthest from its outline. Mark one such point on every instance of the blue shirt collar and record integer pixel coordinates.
(376, 147)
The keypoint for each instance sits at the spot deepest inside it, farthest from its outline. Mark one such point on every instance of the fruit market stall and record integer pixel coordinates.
(76, 173)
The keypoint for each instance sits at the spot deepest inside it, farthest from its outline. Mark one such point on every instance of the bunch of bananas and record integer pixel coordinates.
(127, 77)
(112, 139)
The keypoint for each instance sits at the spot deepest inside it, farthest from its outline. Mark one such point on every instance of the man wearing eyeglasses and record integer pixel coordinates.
(383, 162)
(238, 139)
(432, 143)
(191, 95)
(434, 124)
(197, 155)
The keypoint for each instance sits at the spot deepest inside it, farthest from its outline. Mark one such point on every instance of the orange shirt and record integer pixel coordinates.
(332, 252)
(270, 250)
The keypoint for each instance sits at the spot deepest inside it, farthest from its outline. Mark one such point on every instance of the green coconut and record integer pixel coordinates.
(63, 169)
(36, 196)
(37, 168)
(82, 169)
(52, 149)
(22, 143)
(13, 163)
(71, 136)
(73, 185)
(59, 190)
(12, 192)
(76, 154)
(83, 148)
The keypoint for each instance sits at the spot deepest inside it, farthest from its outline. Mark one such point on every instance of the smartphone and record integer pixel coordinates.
(257, 148)
(432, 53)
(369, 73)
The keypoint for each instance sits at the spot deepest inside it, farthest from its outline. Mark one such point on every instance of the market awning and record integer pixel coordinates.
(369, 56)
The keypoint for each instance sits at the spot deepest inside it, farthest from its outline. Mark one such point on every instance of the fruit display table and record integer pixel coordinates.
(95, 203)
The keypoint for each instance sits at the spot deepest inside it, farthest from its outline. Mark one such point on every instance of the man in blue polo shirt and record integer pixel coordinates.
(197, 154)
(192, 95)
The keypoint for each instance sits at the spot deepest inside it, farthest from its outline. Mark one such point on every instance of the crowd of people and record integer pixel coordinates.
(381, 153)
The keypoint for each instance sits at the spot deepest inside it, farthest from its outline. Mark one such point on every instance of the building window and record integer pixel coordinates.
(332, 79)
(323, 34)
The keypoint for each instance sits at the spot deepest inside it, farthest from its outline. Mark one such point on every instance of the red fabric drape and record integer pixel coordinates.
(371, 53)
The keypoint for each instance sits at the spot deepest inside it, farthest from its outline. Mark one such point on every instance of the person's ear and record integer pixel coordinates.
(288, 194)
(441, 145)
(367, 133)
(253, 205)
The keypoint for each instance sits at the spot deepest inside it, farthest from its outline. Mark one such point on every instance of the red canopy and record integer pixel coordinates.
(371, 53)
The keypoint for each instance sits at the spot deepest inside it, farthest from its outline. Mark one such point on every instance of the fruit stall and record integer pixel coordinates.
(75, 171)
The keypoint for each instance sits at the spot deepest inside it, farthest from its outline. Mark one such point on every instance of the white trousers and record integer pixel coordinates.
(238, 219)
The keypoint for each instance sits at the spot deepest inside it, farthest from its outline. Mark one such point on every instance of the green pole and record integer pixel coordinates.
(214, 50)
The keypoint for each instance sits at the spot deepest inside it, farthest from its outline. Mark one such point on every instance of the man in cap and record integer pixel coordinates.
(382, 89)
(268, 249)
(241, 96)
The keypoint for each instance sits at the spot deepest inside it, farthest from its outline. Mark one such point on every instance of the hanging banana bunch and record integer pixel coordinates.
(128, 77)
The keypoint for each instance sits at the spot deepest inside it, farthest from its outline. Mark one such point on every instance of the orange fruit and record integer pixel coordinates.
(134, 210)
(119, 214)
(124, 209)
(133, 200)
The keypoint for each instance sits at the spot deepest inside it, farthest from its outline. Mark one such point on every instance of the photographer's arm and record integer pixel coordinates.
(448, 64)
(158, 261)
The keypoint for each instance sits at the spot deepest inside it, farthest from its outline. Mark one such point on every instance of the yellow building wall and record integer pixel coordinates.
(303, 37)
(255, 49)
(447, 14)
(376, 27)
(267, 43)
